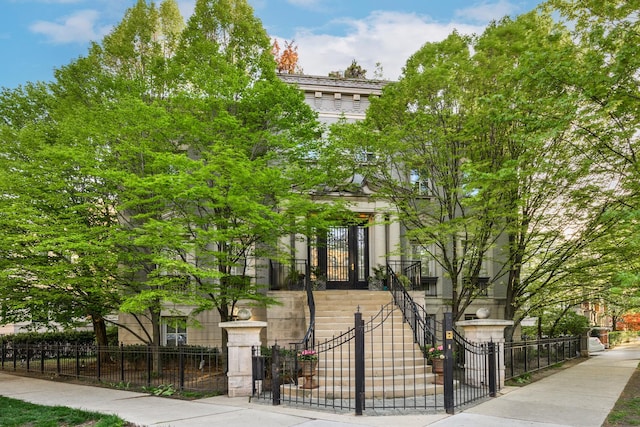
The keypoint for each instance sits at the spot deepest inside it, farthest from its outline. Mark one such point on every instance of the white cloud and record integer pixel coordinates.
(389, 38)
(79, 27)
(486, 12)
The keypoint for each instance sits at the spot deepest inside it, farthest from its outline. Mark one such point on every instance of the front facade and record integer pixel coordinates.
(346, 258)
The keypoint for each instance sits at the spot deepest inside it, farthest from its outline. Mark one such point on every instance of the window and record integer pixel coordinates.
(419, 183)
(426, 258)
(481, 287)
(364, 156)
(175, 331)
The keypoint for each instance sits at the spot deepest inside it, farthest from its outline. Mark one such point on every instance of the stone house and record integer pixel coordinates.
(351, 253)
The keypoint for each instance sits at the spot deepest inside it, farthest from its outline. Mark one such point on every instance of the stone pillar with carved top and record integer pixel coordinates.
(243, 336)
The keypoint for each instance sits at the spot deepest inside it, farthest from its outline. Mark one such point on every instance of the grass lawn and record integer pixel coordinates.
(16, 413)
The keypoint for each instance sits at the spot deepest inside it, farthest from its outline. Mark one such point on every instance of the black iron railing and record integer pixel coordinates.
(310, 336)
(408, 272)
(181, 368)
(290, 276)
(423, 325)
(528, 356)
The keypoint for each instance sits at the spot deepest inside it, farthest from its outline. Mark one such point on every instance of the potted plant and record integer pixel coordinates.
(308, 359)
(435, 355)
(318, 279)
(378, 281)
(294, 280)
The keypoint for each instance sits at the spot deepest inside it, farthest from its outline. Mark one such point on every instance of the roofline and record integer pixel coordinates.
(334, 84)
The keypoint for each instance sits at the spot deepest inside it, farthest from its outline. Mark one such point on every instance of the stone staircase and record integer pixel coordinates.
(394, 364)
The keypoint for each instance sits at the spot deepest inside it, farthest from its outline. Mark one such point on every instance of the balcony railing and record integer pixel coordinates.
(410, 275)
(288, 277)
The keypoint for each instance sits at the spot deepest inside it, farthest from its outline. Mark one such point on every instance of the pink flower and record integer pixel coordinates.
(308, 354)
(435, 352)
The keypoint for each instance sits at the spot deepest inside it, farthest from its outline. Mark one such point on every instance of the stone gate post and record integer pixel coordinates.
(243, 335)
(481, 331)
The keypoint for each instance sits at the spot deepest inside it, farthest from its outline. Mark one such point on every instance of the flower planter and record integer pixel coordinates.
(308, 372)
(438, 366)
(438, 369)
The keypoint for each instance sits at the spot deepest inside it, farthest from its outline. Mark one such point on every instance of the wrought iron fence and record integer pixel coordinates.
(527, 356)
(379, 367)
(375, 366)
(184, 368)
(474, 371)
(409, 273)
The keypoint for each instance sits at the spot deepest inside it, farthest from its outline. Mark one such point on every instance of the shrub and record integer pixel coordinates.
(619, 337)
(74, 337)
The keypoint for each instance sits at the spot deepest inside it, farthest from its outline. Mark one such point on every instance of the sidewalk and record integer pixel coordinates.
(581, 396)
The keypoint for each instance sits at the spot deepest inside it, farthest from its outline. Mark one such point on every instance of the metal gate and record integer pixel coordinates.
(472, 371)
(375, 367)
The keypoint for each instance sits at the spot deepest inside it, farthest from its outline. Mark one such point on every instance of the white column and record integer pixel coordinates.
(482, 331)
(394, 237)
(243, 335)
(379, 242)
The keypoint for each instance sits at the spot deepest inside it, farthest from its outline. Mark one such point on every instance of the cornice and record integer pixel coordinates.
(334, 84)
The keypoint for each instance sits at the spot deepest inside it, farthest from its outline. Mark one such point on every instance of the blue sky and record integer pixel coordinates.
(37, 36)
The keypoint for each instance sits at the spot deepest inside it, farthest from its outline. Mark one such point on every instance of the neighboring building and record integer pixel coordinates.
(349, 253)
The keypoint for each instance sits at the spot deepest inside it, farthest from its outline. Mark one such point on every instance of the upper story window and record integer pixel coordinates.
(420, 183)
(426, 257)
(365, 156)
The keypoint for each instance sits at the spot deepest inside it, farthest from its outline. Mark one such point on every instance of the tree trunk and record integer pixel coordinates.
(100, 330)
(156, 337)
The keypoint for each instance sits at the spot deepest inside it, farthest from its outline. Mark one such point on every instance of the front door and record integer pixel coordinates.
(344, 257)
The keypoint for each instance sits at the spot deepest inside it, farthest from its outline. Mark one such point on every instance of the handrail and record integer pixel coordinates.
(414, 314)
(311, 330)
(310, 335)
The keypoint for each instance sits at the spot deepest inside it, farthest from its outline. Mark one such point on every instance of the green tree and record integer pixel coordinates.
(189, 143)
(476, 152)
(57, 263)
(242, 179)
(418, 130)
(550, 202)
(355, 71)
(605, 82)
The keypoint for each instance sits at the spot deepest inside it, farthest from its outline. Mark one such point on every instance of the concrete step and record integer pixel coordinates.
(291, 391)
(374, 370)
(389, 361)
(392, 358)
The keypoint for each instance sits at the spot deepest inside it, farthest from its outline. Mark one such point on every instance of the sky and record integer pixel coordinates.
(38, 36)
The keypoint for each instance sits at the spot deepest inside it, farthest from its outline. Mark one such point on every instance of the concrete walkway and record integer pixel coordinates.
(580, 396)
